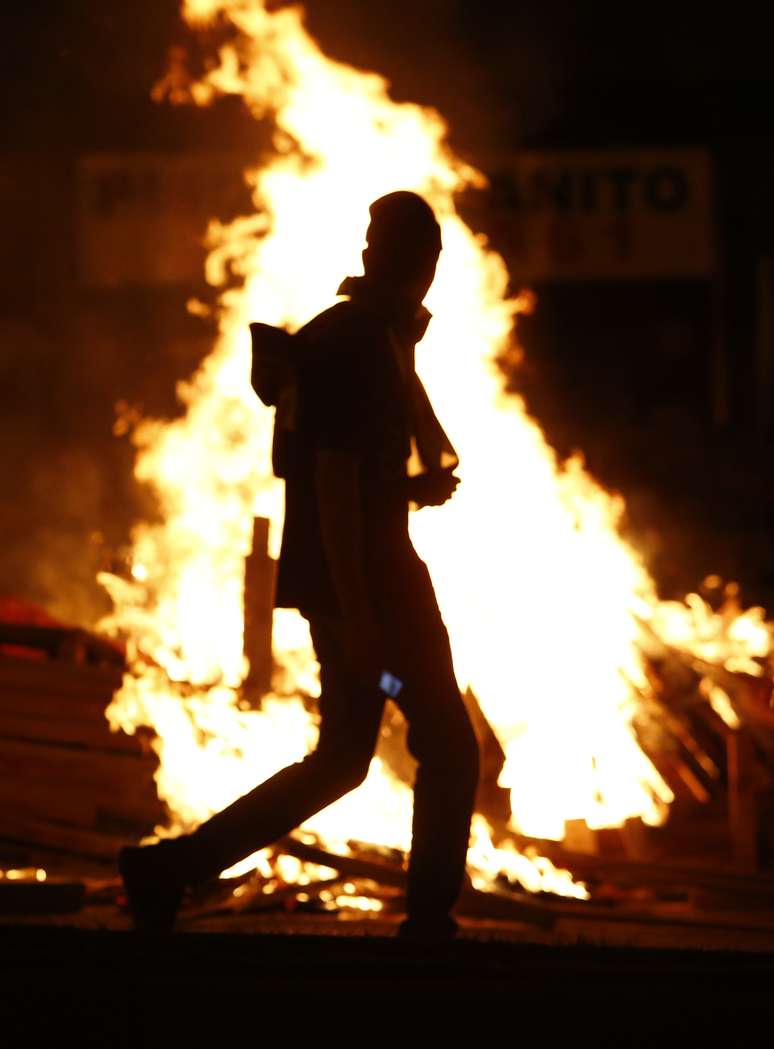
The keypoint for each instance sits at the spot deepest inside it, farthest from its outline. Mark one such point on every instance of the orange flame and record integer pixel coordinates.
(542, 597)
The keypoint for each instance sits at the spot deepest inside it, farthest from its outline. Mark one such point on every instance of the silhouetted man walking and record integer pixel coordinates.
(347, 563)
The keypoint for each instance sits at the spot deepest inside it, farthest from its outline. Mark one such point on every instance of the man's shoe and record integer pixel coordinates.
(154, 884)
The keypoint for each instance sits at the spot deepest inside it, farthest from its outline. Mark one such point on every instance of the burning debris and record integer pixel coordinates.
(602, 705)
(182, 611)
(84, 788)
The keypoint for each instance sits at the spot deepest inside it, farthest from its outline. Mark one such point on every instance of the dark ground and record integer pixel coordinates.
(110, 987)
(625, 974)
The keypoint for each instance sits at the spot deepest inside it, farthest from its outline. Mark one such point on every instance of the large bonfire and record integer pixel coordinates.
(543, 598)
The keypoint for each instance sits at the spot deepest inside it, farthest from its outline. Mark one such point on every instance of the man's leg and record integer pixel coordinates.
(349, 723)
(442, 739)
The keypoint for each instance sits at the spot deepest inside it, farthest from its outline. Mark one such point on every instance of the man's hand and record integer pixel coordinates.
(433, 488)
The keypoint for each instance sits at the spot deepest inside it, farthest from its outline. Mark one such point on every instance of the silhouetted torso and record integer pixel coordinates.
(351, 398)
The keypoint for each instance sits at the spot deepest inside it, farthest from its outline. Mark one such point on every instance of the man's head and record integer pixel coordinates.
(403, 244)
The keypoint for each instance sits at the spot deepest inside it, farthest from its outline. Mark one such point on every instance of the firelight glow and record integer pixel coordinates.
(542, 597)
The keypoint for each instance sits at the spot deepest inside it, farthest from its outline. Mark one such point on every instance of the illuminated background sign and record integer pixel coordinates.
(602, 215)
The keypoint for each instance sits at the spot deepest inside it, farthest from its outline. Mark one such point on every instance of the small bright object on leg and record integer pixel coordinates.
(389, 684)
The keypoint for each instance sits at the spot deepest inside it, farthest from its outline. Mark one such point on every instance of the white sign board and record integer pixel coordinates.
(581, 215)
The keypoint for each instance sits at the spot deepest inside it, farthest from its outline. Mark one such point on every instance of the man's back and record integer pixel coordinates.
(351, 399)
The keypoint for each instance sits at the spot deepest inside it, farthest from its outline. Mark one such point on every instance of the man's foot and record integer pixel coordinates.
(440, 929)
(153, 883)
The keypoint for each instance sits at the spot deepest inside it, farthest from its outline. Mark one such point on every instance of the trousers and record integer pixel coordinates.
(440, 738)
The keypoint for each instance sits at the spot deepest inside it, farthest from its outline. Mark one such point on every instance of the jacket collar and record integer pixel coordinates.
(407, 318)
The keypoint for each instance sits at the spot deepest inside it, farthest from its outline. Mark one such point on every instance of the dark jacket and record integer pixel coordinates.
(351, 397)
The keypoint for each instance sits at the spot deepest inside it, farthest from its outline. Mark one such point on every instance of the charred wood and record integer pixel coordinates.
(61, 643)
(472, 903)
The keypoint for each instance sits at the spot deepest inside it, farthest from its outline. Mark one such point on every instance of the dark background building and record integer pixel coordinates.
(663, 379)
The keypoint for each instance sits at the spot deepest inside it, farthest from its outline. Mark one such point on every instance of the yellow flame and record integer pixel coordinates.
(720, 701)
(357, 903)
(23, 874)
(487, 864)
(735, 639)
(542, 597)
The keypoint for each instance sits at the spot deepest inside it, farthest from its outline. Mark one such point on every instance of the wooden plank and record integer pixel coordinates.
(669, 768)
(654, 875)
(742, 782)
(85, 800)
(65, 643)
(34, 800)
(48, 796)
(53, 707)
(350, 866)
(754, 712)
(492, 801)
(78, 763)
(89, 819)
(70, 695)
(90, 796)
(80, 785)
(692, 781)
(90, 734)
(260, 577)
(472, 902)
(72, 840)
(133, 822)
(88, 682)
(33, 854)
(497, 905)
(284, 897)
(703, 769)
(663, 916)
(136, 804)
(35, 702)
(141, 808)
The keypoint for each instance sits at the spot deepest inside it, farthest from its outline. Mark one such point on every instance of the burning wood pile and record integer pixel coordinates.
(73, 786)
(707, 719)
(66, 781)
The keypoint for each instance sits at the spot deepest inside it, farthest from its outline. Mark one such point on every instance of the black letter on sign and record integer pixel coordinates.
(552, 189)
(666, 189)
(506, 190)
(588, 191)
(622, 179)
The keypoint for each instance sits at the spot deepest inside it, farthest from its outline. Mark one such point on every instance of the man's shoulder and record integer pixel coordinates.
(343, 326)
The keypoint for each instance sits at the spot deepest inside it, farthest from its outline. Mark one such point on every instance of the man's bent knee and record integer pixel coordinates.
(453, 754)
(341, 772)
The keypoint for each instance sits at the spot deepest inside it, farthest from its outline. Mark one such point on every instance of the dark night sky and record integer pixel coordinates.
(79, 71)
